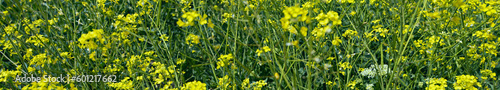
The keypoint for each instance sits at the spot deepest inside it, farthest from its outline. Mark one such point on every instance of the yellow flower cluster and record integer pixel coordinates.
(258, 85)
(336, 41)
(194, 85)
(485, 34)
(490, 10)
(485, 73)
(291, 14)
(466, 82)
(425, 47)
(224, 60)
(224, 82)
(325, 19)
(436, 84)
(124, 84)
(40, 60)
(6, 74)
(191, 38)
(490, 48)
(37, 40)
(265, 49)
(87, 40)
(350, 33)
(191, 17)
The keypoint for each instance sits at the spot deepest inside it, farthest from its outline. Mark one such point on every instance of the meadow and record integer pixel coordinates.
(251, 44)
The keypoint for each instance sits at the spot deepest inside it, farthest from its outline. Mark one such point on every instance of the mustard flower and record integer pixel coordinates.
(191, 38)
(224, 60)
(466, 82)
(436, 84)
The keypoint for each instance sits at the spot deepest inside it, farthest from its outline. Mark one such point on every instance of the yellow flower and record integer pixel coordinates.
(350, 33)
(191, 38)
(352, 84)
(92, 56)
(488, 9)
(276, 75)
(490, 73)
(5, 74)
(190, 16)
(164, 37)
(336, 41)
(258, 85)
(5, 12)
(66, 55)
(303, 31)
(436, 84)
(324, 19)
(37, 40)
(224, 60)
(344, 65)
(180, 61)
(87, 40)
(124, 84)
(245, 83)
(466, 82)
(224, 82)
(265, 49)
(329, 83)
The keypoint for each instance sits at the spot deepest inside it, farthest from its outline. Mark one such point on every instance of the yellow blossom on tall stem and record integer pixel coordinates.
(466, 82)
(224, 60)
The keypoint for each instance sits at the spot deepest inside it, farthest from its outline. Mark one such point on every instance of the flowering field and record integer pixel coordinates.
(249, 44)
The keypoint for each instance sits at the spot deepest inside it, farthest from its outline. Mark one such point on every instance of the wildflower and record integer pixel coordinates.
(37, 40)
(488, 9)
(293, 13)
(190, 16)
(346, 1)
(382, 31)
(194, 85)
(265, 49)
(191, 38)
(344, 65)
(466, 82)
(435, 39)
(321, 31)
(324, 19)
(352, 84)
(371, 36)
(336, 41)
(87, 40)
(486, 73)
(5, 74)
(276, 75)
(352, 13)
(5, 12)
(124, 84)
(308, 5)
(303, 31)
(374, 69)
(245, 83)
(224, 82)
(180, 61)
(330, 83)
(436, 84)
(259, 84)
(350, 33)
(369, 86)
(164, 37)
(66, 55)
(224, 60)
